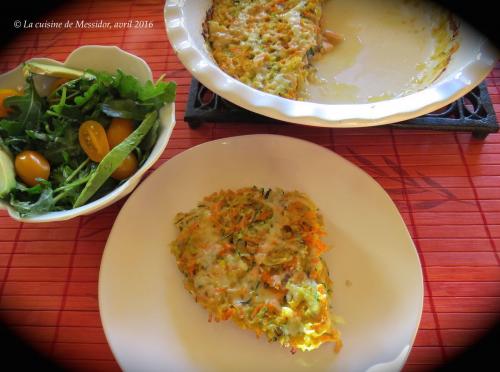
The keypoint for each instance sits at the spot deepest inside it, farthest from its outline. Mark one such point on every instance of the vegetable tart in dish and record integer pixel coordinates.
(266, 44)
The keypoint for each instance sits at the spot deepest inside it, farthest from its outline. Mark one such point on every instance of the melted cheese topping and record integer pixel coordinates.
(265, 43)
(253, 256)
(380, 49)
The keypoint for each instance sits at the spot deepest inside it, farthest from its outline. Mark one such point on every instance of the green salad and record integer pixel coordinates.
(87, 136)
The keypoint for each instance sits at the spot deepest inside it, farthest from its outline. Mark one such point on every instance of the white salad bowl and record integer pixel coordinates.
(468, 66)
(109, 59)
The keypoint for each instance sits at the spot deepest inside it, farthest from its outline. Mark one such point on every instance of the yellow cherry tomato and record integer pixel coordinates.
(93, 140)
(126, 168)
(5, 93)
(57, 83)
(31, 165)
(118, 130)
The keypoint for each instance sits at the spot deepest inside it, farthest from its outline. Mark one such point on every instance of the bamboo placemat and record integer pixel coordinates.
(446, 186)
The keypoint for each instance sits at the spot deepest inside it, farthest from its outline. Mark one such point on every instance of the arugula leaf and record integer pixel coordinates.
(27, 109)
(105, 79)
(68, 112)
(81, 100)
(105, 189)
(91, 104)
(60, 174)
(4, 147)
(126, 109)
(15, 144)
(128, 85)
(10, 127)
(149, 141)
(38, 136)
(62, 109)
(161, 89)
(62, 102)
(55, 149)
(44, 203)
(94, 93)
(72, 87)
(34, 190)
(61, 146)
(71, 182)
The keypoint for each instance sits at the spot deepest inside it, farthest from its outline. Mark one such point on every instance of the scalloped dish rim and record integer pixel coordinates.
(429, 99)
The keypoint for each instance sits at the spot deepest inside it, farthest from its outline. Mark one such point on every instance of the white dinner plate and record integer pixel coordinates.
(153, 324)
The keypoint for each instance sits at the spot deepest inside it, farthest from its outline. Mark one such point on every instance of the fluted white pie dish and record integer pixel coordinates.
(469, 65)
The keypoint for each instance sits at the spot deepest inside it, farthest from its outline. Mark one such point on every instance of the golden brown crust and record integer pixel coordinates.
(254, 256)
(266, 44)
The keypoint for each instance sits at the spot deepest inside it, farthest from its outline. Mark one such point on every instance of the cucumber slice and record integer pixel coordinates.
(7, 173)
(39, 68)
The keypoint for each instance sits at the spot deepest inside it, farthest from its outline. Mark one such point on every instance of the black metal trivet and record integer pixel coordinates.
(472, 113)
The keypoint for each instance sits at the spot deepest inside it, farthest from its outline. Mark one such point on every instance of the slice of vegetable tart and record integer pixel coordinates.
(267, 44)
(254, 256)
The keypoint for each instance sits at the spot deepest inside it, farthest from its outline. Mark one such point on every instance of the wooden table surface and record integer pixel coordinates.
(446, 186)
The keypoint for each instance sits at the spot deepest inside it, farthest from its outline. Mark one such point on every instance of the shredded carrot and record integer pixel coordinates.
(256, 310)
(226, 248)
(266, 277)
(236, 282)
(264, 214)
(320, 247)
(228, 313)
(279, 293)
